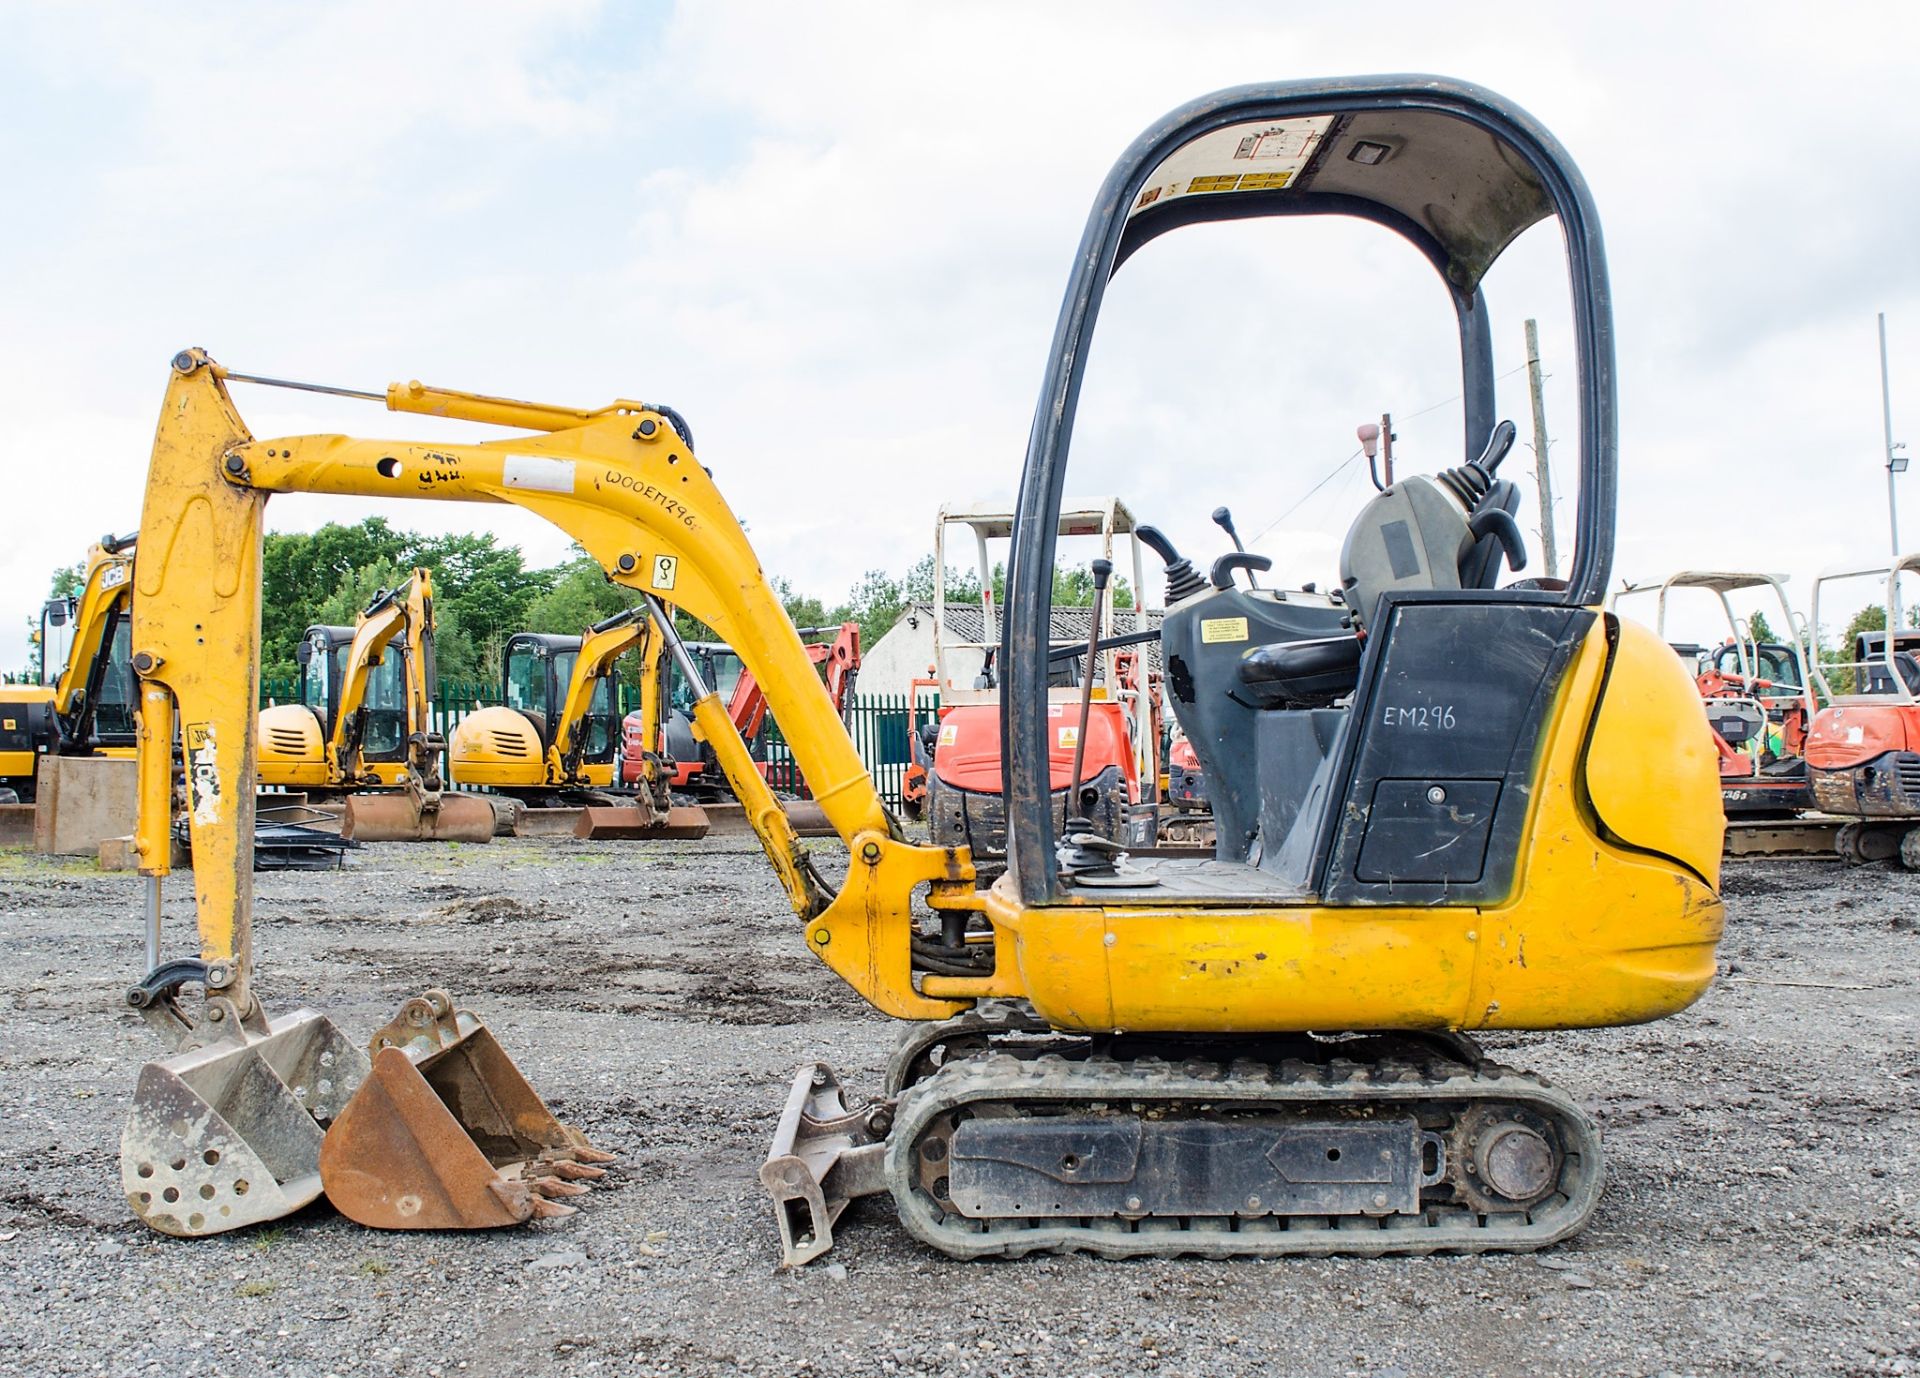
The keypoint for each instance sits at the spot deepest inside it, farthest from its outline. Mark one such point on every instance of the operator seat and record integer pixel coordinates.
(1419, 533)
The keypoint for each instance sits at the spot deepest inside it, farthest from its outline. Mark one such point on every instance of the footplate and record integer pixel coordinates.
(1056, 1166)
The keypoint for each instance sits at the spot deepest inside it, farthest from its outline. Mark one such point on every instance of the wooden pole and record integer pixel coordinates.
(1542, 472)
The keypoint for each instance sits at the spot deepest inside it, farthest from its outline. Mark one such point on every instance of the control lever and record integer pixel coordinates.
(1224, 567)
(1182, 580)
(1223, 519)
(1498, 523)
(1102, 571)
(1498, 444)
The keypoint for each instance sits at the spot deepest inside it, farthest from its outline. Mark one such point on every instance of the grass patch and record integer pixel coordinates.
(259, 1287)
(374, 1268)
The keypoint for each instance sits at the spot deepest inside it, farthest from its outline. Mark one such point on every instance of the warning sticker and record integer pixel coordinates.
(949, 734)
(1258, 155)
(538, 472)
(1070, 736)
(203, 772)
(1218, 629)
(666, 571)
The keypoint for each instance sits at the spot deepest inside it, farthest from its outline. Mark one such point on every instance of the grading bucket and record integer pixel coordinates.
(228, 1132)
(406, 816)
(446, 1134)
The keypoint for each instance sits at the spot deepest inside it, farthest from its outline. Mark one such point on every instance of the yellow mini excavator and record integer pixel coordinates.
(1444, 804)
(83, 705)
(552, 743)
(363, 727)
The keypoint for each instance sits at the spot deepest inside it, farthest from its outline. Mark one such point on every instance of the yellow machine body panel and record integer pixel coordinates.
(292, 748)
(498, 748)
(1606, 935)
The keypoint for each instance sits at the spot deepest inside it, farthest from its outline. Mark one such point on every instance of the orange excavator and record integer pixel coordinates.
(1759, 696)
(1103, 762)
(1863, 749)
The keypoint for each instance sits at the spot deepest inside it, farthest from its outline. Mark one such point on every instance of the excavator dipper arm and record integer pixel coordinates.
(624, 484)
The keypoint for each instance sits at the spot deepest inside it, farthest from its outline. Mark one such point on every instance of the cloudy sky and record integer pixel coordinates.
(836, 238)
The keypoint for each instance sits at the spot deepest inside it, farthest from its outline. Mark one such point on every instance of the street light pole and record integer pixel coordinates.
(1886, 419)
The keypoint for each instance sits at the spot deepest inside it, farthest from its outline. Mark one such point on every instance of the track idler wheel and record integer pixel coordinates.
(446, 1134)
(1865, 842)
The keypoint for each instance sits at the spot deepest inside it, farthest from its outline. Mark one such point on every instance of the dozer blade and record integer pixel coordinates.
(229, 1133)
(623, 822)
(447, 1134)
(398, 816)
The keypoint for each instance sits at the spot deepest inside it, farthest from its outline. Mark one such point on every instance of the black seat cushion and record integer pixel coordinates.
(1301, 674)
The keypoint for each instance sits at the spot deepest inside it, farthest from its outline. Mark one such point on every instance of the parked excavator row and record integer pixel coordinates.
(363, 728)
(84, 703)
(551, 744)
(1444, 805)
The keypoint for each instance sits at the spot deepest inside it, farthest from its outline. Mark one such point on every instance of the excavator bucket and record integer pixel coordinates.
(446, 1134)
(625, 822)
(228, 1133)
(403, 816)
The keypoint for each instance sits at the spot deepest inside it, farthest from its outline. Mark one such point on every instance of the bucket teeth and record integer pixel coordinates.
(448, 1134)
(576, 1172)
(552, 1186)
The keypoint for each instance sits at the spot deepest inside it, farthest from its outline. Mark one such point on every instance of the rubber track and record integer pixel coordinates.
(1246, 1083)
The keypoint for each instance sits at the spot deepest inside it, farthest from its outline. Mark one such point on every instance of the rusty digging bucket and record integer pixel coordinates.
(227, 1132)
(406, 816)
(446, 1134)
(636, 822)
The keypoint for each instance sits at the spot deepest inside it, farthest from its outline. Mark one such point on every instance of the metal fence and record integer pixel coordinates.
(881, 725)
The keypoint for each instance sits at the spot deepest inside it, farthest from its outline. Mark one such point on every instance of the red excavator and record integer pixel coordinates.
(1863, 750)
(1107, 774)
(1758, 694)
(835, 653)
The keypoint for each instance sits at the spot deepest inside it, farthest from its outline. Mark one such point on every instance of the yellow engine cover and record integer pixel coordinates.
(1613, 918)
(498, 748)
(291, 749)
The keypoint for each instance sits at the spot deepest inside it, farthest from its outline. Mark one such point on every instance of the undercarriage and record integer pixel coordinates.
(998, 1137)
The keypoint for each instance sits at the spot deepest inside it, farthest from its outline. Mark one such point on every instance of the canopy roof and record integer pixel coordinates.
(1467, 191)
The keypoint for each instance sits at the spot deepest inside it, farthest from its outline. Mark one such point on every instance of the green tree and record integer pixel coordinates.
(1759, 629)
(483, 592)
(300, 570)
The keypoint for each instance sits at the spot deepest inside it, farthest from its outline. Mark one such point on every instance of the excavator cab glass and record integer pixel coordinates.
(117, 696)
(529, 681)
(385, 736)
(602, 725)
(56, 637)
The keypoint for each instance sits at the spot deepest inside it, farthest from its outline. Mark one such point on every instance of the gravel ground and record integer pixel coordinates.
(1762, 1210)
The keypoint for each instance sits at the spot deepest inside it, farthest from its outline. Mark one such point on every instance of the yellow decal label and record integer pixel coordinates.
(666, 571)
(1070, 736)
(12, 725)
(1218, 629)
(949, 734)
